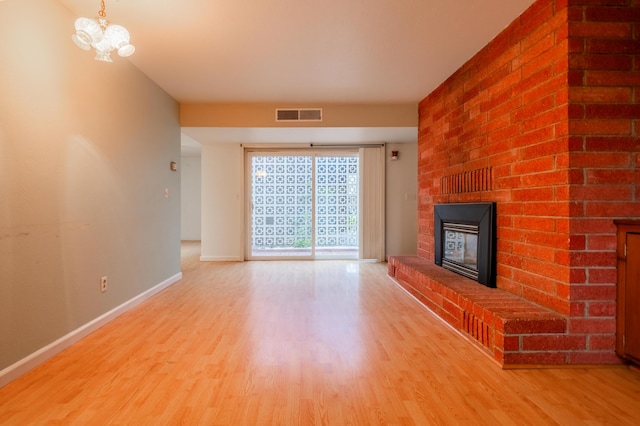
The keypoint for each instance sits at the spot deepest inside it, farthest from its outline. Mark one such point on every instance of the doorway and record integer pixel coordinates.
(303, 205)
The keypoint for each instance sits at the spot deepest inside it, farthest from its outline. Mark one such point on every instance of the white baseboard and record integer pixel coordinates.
(21, 367)
(220, 259)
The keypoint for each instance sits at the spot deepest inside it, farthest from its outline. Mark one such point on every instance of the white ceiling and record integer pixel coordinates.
(289, 51)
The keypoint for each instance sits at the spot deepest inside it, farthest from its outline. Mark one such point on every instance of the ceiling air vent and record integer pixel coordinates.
(300, 114)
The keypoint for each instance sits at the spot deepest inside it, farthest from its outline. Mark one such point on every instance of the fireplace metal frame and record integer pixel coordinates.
(482, 215)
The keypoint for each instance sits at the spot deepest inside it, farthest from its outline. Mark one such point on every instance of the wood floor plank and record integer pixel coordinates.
(300, 343)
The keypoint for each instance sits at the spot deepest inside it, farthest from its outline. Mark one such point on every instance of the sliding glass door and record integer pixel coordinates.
(303, 205)
(337, 199)
(281, 205)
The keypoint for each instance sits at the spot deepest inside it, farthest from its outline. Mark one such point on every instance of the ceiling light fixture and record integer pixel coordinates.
(102, 36)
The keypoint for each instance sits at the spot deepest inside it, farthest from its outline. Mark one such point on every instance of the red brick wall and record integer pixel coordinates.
(552, 107)
(604, 97)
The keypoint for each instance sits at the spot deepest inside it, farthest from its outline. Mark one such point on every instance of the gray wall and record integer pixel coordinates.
(190, 198)
(85, 148)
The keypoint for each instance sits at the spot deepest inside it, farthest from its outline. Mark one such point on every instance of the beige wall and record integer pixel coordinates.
(85, 148)
(224, 198)
(222, 203)
(401, 200)
(333, 115)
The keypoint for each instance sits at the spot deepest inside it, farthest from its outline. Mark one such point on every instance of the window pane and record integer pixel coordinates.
(281, 205)
(337, 190)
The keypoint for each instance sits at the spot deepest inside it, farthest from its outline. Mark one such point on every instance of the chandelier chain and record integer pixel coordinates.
(102, 13)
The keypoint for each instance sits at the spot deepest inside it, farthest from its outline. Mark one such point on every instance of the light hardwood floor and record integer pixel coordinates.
(300, 343)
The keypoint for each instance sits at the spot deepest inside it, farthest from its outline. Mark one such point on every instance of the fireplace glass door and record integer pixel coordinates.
(461, 244)
(464, 240)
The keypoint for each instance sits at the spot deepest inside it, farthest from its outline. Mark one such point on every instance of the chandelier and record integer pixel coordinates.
(102, 36)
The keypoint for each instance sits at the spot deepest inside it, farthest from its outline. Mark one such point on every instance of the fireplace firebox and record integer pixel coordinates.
(465, 240)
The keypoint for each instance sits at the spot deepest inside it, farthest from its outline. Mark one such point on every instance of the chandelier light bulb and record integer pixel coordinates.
(88, 31)
(102, 36)
(118, 37)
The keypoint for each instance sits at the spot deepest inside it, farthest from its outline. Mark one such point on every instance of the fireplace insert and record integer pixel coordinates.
(465, 240)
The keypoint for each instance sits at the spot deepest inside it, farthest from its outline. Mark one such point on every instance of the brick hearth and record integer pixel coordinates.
(513, 330)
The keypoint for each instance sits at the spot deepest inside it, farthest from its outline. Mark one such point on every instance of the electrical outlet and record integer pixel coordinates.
(103, 284)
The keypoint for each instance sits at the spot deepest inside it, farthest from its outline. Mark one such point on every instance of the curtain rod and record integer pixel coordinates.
(362, 145)
(307, 145)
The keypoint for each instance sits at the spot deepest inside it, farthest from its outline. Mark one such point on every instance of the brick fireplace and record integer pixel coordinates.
(544, 122)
